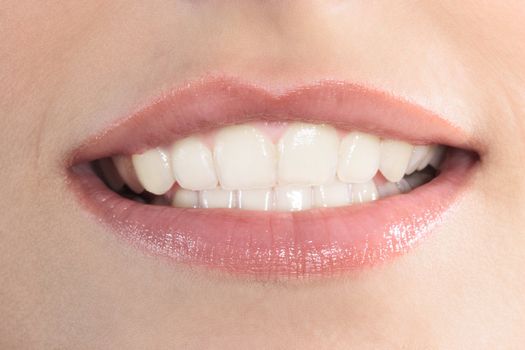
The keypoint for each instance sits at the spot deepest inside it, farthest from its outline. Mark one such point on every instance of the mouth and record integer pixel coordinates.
(318, 180)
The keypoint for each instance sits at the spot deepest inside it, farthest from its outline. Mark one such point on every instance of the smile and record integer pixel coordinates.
(313, 181)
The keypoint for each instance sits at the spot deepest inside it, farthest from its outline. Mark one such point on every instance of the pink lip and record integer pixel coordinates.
(320, 241)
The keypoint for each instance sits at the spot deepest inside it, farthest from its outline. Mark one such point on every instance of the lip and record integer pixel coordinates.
(270, 244)
(207, 104)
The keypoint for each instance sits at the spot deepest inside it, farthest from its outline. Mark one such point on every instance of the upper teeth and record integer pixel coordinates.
(359, 156)
(247, 158)
(308, 155)
(192, 164)
(154, 170)
(395, 156)
(244, 158)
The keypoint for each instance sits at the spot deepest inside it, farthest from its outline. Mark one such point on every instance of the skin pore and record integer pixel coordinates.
(69, 69)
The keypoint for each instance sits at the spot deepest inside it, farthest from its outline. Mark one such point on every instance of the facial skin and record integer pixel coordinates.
(69, 69)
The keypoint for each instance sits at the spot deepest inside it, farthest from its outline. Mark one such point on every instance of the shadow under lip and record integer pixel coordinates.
(272, 244)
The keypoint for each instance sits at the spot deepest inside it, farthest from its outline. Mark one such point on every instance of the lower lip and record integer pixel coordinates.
(272, 244)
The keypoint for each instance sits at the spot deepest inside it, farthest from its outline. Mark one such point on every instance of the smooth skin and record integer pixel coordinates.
(70, 68)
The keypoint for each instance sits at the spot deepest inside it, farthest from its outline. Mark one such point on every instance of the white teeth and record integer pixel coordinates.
(308, 154)
(293, 198)
(395, 156)
(418, 154)
(333, 195)
(310, 167)
(192, 164)
(186, 199)
(153, 170)
(428, 157)
(358, 157)
(217, 198)
(366, 192)
(245, 158)
(127, 173)
(110, 174)
(255, 199)
(436, 160)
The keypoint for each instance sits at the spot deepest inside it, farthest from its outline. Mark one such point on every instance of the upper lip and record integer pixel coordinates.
(217, 102)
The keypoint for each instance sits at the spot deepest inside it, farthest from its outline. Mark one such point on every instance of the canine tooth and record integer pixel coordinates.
(217, 198)
(255, 199)
(436, 160)
(331, 195)
(387, 189)
(418, 154)
(293, 198)
(365, 192)
(153, 170)
(186, 199)
(308, 154)
(192, 165)
(428, 157)
(110, 174)
(126, 171)
(245, 158)
(359, 156)
(395, 156)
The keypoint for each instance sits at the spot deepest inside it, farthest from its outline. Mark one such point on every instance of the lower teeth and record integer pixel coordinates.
(281, 198)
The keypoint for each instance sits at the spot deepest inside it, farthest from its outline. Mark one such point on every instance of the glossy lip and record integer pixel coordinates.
(271, 244)
(208, 104)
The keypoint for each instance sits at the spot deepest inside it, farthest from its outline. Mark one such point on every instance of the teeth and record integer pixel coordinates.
(186, 199)
(154, 170)
(255, 199)
(395, 156)
(308, 154)
(293, 198)
(245, 158)
(436, 160)
(333, 195)
(404, 186)
(418, 154)
(358, 157)
(388, 189)
(428, 157)
(110, 174)
(217, 198)
(192, 165)
(126, 171)
(366, 192)
(310, 167)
